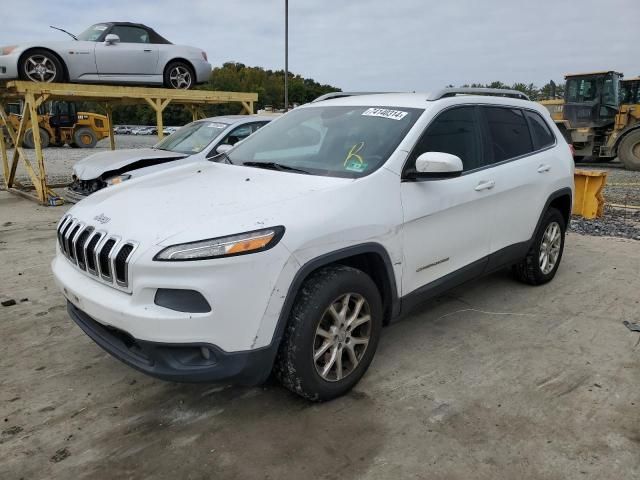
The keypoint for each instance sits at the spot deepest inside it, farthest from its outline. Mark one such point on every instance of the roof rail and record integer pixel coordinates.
(332, 95)
(494, 92)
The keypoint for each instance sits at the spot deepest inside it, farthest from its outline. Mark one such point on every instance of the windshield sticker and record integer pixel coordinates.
(100, 28)
(217, 125)
(385, 113)
(356, 166)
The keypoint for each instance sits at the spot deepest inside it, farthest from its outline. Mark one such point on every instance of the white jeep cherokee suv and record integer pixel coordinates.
(291, 251)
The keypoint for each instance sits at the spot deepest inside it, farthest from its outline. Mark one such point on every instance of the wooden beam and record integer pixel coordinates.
(112, 139)
(40, 182)
(112, 92)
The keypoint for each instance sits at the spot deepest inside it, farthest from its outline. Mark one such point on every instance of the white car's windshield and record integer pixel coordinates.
(341, 141)
(93, 33)
(192, 138)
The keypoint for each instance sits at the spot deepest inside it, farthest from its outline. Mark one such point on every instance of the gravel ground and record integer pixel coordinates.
(623, 186)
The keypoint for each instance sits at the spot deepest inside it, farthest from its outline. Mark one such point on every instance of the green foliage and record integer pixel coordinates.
(535, 93)
(230, 77)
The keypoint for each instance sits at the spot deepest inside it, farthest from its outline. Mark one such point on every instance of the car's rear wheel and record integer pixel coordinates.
(29, 142)
(179, 76)
(41, 66)
(84, 137)
(332, 334)
(543, 259)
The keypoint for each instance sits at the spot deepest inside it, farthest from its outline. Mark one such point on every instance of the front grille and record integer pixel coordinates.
(104, 256)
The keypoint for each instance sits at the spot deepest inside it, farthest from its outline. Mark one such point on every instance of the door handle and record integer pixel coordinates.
(147, 50)
(487, 185)
(544, 168)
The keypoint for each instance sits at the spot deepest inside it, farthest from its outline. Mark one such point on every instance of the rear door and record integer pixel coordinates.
(519, 160)
(133, 55)
(446, 221)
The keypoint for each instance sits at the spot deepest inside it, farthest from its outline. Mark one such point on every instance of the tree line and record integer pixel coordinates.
(269, 85)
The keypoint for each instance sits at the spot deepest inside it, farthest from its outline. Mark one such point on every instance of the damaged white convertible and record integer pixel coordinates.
(194, 142)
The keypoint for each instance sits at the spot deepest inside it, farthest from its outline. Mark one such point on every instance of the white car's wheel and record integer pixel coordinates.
(179, 76)
(41, 66)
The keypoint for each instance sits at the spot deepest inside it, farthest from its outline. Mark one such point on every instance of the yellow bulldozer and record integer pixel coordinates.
(600, 116)
(60, 124)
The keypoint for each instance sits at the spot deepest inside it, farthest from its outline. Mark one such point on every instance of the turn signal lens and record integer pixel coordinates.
(250, 242)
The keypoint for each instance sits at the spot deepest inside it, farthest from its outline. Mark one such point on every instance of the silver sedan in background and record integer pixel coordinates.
(196, 142)
(111, 52)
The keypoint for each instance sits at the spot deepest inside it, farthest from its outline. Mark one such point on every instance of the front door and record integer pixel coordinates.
(446, 222)
(133, 55)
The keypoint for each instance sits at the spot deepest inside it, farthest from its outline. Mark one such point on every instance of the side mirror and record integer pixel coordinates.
(437, 165)
(223, 148)
(111, 39)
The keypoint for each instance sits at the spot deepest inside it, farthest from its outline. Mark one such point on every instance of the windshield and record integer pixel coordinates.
(192, 138)
(93, 33)
(333, 141)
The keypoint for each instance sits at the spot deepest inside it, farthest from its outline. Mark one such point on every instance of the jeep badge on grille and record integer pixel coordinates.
(102, 218)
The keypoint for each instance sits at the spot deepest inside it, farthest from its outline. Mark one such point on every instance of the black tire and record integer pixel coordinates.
(186, 76)
(629, 151)
(295, 366)
(529, 269)
(84, 137)
(29, 142)
(28, 66)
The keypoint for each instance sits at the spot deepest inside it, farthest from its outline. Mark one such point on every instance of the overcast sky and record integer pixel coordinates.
(393, 45)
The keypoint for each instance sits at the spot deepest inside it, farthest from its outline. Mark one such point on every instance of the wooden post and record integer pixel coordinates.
(37, 141)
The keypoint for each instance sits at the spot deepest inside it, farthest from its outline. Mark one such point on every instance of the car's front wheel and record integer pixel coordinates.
(543, 259)
(41, 66)
(332, 334)
(179, 76)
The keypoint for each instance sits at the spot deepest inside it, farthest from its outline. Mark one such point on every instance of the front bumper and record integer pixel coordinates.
(72, 197)
(178, 362)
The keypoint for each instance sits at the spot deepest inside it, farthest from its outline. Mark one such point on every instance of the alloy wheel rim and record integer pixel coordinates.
(180, 78)
(550, 247)
(342, 337)
(636, 150)
(40, 68)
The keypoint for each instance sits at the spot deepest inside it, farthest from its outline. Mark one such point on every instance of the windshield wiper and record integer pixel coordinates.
(63, 30)
(275, 166)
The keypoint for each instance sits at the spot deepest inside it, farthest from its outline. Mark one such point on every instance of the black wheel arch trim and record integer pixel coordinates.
(330, 258)
(563, 192)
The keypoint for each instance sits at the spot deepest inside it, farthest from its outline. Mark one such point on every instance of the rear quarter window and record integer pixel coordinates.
(508, 133)
(540, 132)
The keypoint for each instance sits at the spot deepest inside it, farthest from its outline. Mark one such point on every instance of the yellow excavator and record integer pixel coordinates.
(600, 116)
(60, 124)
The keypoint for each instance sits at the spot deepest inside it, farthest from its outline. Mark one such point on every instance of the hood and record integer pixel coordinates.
(200, 200)
(97, 164)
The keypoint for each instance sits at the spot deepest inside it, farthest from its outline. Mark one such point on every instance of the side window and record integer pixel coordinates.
(508, 133)
(131, 34)
(540, 131)
(454, 131)
(237, 134)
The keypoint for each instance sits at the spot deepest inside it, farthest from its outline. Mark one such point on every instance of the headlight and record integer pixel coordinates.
(241, 244)
(7, 50)
(117, 179)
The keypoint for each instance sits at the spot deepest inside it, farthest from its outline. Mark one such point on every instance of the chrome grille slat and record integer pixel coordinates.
(103, 256)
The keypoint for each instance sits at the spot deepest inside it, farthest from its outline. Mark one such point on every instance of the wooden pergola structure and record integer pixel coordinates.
(32, 95)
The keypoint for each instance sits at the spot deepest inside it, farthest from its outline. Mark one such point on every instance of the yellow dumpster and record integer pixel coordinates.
(588, 201)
